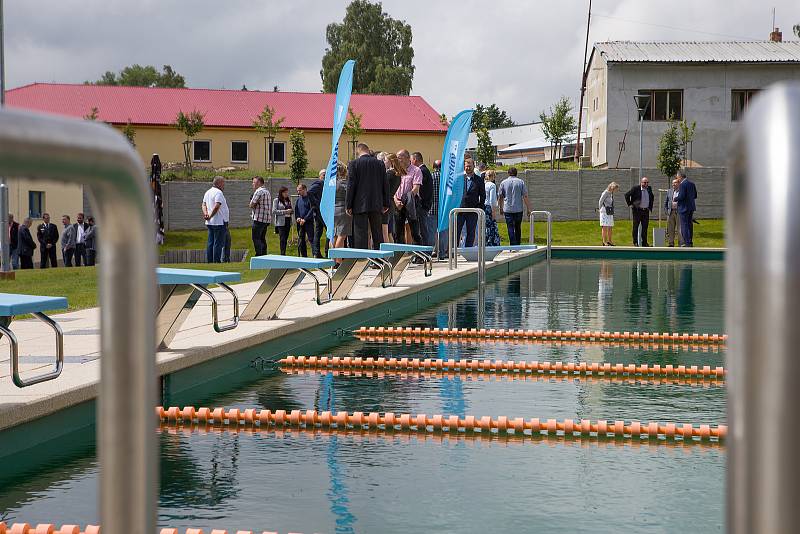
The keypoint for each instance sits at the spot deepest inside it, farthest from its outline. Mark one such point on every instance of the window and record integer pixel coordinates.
(278, 152)
(239, 152)
(202, 151)
(664, 104)
(35, 204)
(740, 100)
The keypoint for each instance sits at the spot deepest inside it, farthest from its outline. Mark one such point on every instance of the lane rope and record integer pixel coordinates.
(49, 528)
(421, 423)
(534, 367)
(575, 335)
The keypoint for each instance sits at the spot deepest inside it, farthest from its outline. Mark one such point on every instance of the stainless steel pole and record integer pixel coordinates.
(762, 289)
(46, 147)
(5, 245)
(641, 171)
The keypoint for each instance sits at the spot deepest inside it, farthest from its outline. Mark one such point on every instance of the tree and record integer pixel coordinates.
(299, 163)
(796, 30)
(190, 124)
(443, 120)
(380, 44)
(269, 125)
(686, 137)
(492, 116)
(669, 151)
(486, 151)
(353, 130)
(93, 114)
(130, 133)
(558, 127)
(143, 76)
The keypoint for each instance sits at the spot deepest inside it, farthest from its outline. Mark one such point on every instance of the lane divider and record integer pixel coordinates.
(534, 367)
(48, 528)
(646, 345)
(421, 423)
(577, 335)
(509, 377)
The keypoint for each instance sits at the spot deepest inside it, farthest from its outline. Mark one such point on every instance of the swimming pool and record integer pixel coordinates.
(318, 481)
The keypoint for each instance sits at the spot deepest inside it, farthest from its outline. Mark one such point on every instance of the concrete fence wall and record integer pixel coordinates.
(569, 195)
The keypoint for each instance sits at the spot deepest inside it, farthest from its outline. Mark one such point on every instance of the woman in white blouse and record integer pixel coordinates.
(606, 208)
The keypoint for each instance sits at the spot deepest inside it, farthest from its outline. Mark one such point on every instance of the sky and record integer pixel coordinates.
(522, 55)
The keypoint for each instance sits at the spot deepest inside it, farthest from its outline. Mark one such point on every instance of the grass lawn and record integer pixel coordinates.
(79, 285)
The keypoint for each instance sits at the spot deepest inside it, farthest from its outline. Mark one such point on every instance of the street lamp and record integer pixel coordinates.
(642, 103)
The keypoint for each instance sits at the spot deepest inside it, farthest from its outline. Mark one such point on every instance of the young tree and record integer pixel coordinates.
(190, 124)
(486, 151)
(299, 163)
(686, 137)
(353, 130)
(796, 30)
(669, 152)
(492, 116)
(269, 125)
(130, 133)
(93, 114)
(443, 119)
(557, 127)
(381, 44)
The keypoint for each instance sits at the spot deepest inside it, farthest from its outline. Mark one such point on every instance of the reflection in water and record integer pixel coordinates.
(685, 299)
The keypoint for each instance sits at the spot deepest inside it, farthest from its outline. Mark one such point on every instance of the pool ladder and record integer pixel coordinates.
(549, 229)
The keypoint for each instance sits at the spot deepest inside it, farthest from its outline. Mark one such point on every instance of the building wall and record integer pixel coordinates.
(167, 142)
(706, 100)
(59, 198)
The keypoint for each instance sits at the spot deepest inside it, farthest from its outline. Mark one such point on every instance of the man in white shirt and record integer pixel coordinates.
(80, 241)
(216, 214)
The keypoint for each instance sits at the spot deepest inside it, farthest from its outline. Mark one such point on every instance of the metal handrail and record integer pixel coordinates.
(47, 147)
(386, 270)
(453, 237)
(329, 284)
(549, 229)
(761, 291)
(214, 314)
(14, 351)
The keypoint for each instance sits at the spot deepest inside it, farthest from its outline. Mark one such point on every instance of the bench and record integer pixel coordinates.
(179, 291)
(354, 262)
(12, 304)
(402, 256)
(471, 253)
(284, 273)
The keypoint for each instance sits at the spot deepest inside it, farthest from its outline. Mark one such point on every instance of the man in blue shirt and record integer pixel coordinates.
(304, 214)
(511, 195)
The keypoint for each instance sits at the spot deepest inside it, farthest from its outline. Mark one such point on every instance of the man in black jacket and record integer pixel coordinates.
(425, 201)
(26, 244)
(47, 235)
(315, 197)
(640, 199)
(474, 197)
(367, 197)
(13, 240)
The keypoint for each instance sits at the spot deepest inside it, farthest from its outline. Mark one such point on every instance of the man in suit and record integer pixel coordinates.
(474, 197)
(26, 244)
(47, 235)
(317, 223)
(79, 229)
(13, 240)
(640, 199)
(684, 201)
(427, 225)
(67, 241)
(367, 197)
(671, 211)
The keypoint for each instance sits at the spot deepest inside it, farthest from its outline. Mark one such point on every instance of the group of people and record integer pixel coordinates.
(78, 242)
(679, 207)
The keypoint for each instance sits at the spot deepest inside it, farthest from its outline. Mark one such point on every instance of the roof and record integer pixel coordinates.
(699, 51)
(536, 142)
(223, 108)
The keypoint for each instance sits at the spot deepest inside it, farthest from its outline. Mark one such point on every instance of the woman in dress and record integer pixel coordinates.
(490, 207)
(342, 222)
(606, 209)
(282, 216)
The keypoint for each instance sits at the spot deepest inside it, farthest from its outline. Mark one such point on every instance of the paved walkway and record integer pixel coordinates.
(195, 343)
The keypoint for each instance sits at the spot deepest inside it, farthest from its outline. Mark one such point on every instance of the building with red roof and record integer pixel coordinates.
(228, 139)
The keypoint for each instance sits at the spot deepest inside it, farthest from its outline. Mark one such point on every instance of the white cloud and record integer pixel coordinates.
(521, 55)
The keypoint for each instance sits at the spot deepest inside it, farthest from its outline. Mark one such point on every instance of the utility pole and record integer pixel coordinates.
(5, 246)
(578, 151)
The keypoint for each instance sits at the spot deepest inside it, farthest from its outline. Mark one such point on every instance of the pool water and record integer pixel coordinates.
(316, 481)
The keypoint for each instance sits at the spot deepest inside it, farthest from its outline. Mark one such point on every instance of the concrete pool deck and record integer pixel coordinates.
(196, 342)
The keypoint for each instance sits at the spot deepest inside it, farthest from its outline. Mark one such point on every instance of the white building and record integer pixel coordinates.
(524, 142)
(710, 83)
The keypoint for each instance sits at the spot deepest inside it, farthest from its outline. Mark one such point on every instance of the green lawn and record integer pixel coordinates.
(79, 285)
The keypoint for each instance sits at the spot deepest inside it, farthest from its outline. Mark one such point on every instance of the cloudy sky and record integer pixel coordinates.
(520, 54)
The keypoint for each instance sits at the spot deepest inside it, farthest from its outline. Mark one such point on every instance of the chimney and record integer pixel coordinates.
(776, 36)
